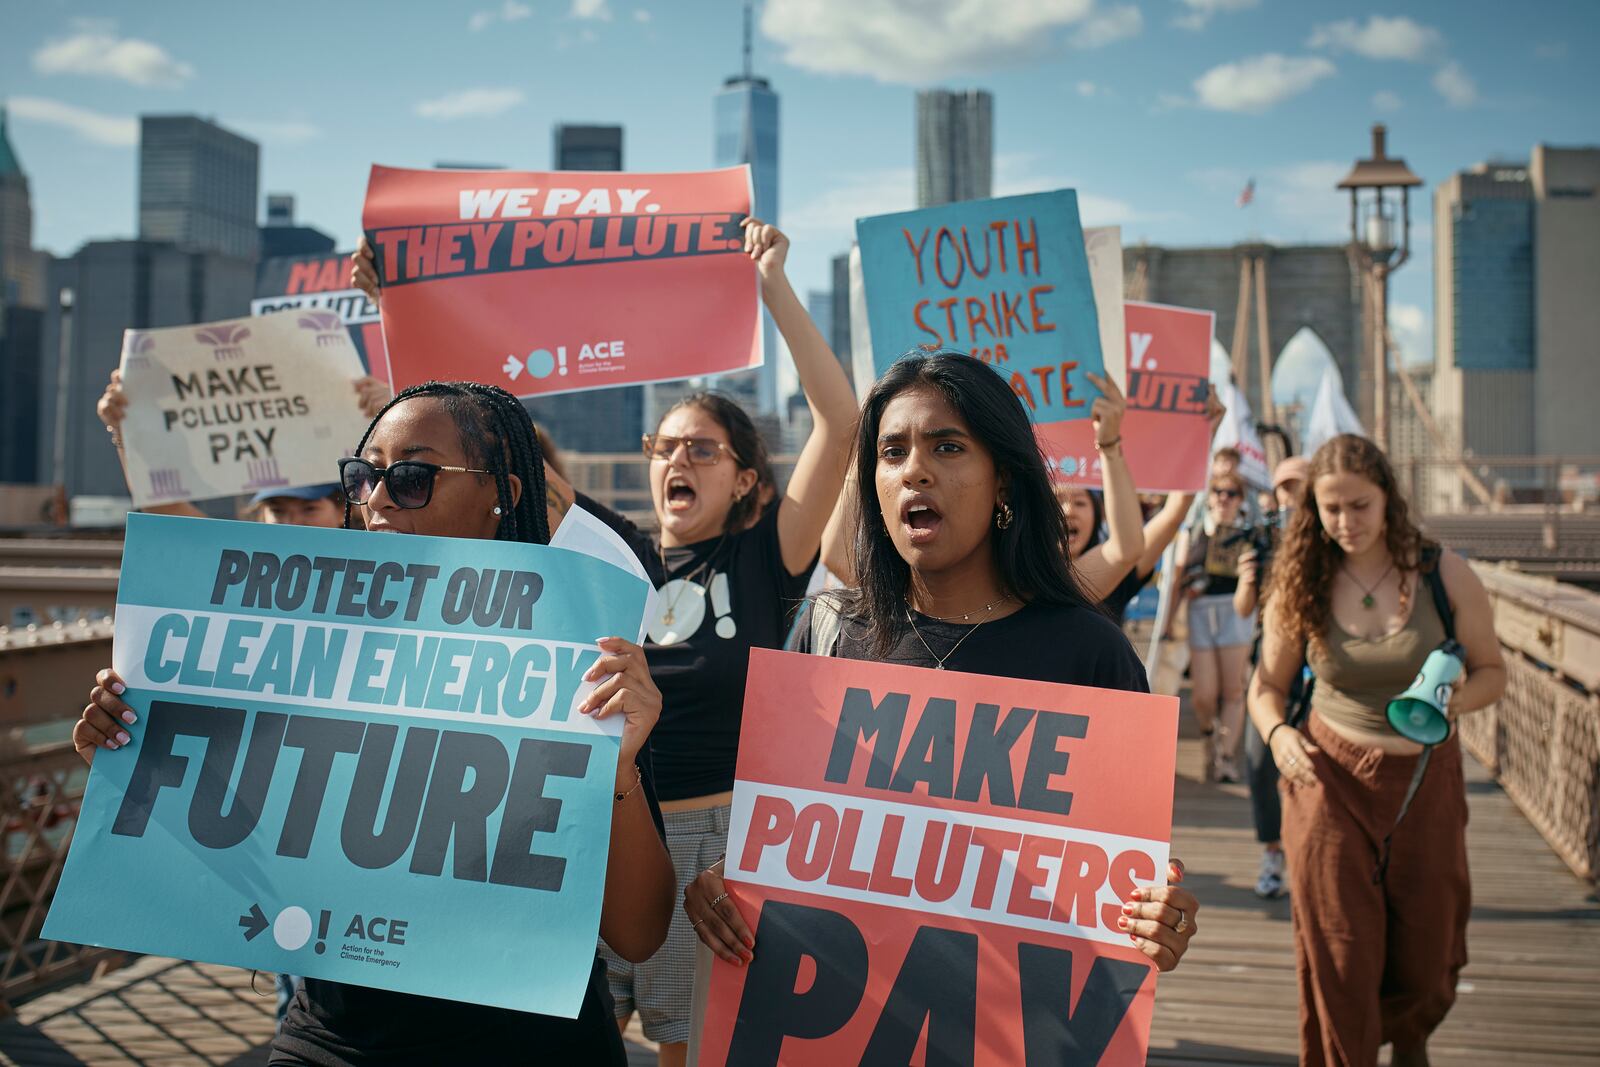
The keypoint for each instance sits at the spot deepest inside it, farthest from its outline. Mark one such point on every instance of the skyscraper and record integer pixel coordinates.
(603, 420)
(587, 147)
(281, 236)
(837, 328)
(21, 281)
(197, 185)
(1516, 303)
(955, 146)
(745, 116)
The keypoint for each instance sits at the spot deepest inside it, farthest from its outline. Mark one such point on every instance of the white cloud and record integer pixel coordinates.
(1384, 100)
(1109, 26)
(1199, 12)
(90, 125)
(641, 15)
(509, 11)
(96, 51)
(1412, 329)
(1256, 84)
(915, 42)
(469, 104)
(599, 10)
(1455, 85)
(1088, 89)
(1379, 38)
(278, 131)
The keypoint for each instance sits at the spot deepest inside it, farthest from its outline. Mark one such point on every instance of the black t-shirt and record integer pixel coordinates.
(1116, 602)
(1041, 642)
(718, 599)
(331, 1024)
(1214, 562)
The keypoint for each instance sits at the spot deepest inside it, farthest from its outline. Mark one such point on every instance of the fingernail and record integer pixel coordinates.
(1127, 908)
(118, 688)
(122, 737)
(129, 717)
(1134, 938)
(110, 743)
(1122, 924)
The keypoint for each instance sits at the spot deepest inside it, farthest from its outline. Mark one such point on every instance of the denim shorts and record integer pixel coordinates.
(1214, 624)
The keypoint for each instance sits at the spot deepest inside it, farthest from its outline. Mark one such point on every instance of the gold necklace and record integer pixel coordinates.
(986, 609)
(671, 614)
(939, 661)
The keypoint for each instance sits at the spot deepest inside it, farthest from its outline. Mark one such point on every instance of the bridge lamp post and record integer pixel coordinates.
(1375, 184)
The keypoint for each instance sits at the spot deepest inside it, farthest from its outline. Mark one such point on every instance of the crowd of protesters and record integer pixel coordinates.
(947, 545)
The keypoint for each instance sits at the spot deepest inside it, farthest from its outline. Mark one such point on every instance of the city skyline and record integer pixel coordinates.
(1161, 124)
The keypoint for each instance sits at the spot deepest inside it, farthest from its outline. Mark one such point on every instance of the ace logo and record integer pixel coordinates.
(932, 864)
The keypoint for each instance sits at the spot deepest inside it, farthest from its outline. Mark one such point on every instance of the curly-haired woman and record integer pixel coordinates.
(1379, 885)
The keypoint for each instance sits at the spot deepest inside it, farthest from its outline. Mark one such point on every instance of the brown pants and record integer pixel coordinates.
(1377, 961)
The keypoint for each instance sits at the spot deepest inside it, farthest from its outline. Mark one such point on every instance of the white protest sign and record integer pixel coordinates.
(1103, 245)
(239, 406)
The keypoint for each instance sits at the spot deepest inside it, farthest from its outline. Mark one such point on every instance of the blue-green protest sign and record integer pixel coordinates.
(356, 758)
(1005, 279)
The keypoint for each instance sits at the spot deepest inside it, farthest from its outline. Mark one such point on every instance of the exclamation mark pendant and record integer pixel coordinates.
(322, 933)
(721, 606)
(561, 358)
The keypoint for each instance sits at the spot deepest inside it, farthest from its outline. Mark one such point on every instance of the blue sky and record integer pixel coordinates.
(1157, 111)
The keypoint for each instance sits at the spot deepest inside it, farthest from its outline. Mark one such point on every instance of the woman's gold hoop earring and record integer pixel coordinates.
(1003, 517)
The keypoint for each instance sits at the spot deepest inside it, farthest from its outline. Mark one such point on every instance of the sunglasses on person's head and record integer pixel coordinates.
(703, 451)
(1225, 493)
(410, 481)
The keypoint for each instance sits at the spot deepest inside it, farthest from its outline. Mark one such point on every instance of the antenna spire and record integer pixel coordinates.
(747, 40)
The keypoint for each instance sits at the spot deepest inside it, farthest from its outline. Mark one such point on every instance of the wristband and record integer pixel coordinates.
(638, 780)
(1275, 728)
(1101, 446)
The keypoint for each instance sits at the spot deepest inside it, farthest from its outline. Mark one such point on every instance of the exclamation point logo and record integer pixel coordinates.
(322, 933)
(542, 363)
(720, 606)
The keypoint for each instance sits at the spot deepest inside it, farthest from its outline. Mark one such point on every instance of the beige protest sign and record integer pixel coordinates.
(237, 407)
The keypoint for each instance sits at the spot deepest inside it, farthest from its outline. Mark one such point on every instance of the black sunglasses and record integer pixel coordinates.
(410, 481)
(1226, 494)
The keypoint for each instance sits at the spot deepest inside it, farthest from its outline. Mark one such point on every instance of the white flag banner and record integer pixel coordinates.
(1331, 415)
(1238, 431)
(240, 406)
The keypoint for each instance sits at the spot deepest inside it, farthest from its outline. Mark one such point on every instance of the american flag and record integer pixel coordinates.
(1248, 194)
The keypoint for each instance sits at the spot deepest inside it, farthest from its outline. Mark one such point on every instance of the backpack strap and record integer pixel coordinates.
(1434, 576)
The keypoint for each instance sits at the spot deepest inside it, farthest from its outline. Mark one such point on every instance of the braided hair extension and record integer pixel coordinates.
(498, 434)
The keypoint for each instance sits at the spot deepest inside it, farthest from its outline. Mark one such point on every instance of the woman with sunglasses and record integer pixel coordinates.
(730, 573)
(1219, 637)
(961, 550)
(459, 459)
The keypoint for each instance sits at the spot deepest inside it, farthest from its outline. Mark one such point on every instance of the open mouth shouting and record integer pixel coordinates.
(680, 495)
(920, 519)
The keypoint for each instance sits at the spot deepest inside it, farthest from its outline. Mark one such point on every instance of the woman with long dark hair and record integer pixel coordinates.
(731, 569)
(961, 551)
(460, 459)
(1373, 827)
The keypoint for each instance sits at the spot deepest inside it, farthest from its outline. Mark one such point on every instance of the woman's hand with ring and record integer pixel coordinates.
(716, 918)
(1160, 920)
(1292, 753)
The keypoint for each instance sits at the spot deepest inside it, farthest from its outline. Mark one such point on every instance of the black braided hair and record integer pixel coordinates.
(499, 436)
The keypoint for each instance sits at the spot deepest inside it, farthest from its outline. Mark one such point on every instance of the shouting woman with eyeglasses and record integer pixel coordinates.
(1219, 637)
(731, 568)
(460, 459)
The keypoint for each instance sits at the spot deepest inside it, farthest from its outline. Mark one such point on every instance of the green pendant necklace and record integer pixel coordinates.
(1367, 600)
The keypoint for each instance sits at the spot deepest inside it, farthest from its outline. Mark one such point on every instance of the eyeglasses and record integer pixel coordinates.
(410, 482)
(1226, 494)
(703, 451)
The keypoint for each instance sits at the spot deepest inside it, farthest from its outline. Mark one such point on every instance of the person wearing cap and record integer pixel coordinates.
(1288, 491)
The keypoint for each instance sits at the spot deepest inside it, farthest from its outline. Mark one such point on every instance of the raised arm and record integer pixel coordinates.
(1159, 531)
(814, 486)
(112, 408)
(1106, 564)
(840, 531)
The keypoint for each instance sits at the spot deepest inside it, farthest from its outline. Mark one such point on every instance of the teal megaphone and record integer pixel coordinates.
(1419, 714)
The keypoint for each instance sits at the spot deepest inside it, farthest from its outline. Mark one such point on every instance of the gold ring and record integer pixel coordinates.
(719, 900)
(696, 924)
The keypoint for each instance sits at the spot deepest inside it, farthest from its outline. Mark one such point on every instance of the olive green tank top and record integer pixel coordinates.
(1357, 677)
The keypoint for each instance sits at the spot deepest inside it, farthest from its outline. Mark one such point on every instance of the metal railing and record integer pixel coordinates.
(1542, 739)
(40, 793)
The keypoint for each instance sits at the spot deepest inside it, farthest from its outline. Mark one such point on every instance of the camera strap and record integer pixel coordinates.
(1429, 570)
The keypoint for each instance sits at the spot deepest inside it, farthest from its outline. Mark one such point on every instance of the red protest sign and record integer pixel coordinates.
(1165, 434)
(910, 844)
(561, 282)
